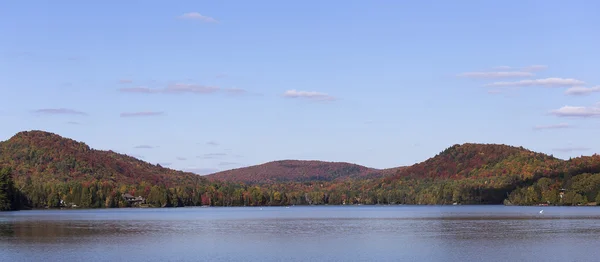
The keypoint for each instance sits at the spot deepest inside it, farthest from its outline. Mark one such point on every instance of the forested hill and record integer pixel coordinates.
(44, 170)
(481, 160)
(494, 174)
(298, 171)
(47, 168)
(39, 155)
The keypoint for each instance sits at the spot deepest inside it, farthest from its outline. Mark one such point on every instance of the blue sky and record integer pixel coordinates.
(209, 85)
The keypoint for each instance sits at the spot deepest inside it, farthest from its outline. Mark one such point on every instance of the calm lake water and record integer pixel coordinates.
(355, 233)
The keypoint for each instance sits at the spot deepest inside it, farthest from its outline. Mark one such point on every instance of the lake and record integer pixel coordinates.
(298, 233)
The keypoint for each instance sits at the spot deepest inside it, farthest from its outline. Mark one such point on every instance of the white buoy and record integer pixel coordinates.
(541, 211)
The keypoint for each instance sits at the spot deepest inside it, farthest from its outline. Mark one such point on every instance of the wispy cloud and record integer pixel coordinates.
(503, 74)
(190, 88)
(555, 126)
(165, 163)
(201, 171)
(571, 149)
(535, 68)
(73, 123)
(181, 158)
(172, 89)
(502, 68)
(546, 82)
(581, 91)
(577, 111)
(140, 89)
(229, 164)
(141, 114)
(144, 147)
(235, 90)
(198, 17)
(212, 155)
(59, 111)
(125, 81)
(212, 143)
(308, 95)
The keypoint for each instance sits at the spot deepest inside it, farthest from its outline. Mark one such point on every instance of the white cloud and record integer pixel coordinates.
(535, 68)
(503, 74)
(144, 147)
(139, 89)
(125, 81)
(213, 155)
(212, 143)
(199, 17)
(578, 90)
(577, 111)
(229, 163)
(235, 90)
(546, 82)
(141, 114)
(190, 88)
(555, 126)
(308, 95)
(172, 89)
(59, 111)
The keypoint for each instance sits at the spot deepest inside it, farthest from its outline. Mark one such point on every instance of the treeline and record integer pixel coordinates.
(580, 189)
(10, 197)
(575, 182)
(49, 171)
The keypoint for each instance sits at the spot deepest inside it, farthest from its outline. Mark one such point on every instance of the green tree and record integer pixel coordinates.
(7, 190)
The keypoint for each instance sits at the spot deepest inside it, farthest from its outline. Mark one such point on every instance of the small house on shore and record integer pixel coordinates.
(133, 200)
(561, 193)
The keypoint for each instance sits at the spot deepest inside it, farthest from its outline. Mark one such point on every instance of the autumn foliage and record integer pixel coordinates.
(297, 171)
(42, 169)
(45, 156)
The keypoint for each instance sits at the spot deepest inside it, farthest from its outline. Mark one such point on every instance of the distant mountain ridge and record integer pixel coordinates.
(455, 162)
(298, 171)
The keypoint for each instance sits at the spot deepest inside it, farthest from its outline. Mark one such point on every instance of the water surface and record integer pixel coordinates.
(324, 233)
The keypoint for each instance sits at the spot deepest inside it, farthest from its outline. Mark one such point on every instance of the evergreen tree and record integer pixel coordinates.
(7, 191)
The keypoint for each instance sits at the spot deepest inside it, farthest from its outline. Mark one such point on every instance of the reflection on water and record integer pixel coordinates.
(387, 233)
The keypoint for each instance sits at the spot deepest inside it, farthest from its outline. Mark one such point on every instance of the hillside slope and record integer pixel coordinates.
(486, 174)
(48, 168)
(40, 169)
(297, 171)
(47, 156)
(481, 160)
